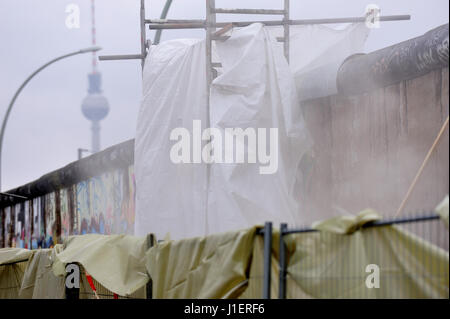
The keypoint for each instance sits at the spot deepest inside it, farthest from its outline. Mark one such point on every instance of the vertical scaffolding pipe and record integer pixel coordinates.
(286, 29)
(210, 19)
(267, 259)
(143, 34)
(282, 285)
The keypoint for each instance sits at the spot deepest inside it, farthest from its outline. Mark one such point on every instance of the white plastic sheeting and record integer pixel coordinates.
(256, 88)
(317, 52)
(170, 197)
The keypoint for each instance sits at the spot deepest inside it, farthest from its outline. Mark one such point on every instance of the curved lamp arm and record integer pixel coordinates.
(8, 111)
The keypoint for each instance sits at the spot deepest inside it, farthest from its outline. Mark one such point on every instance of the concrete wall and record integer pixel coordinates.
(368, 148)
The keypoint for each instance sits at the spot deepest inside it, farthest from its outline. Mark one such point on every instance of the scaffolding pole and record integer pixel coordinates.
(210, 24)
(201, 24)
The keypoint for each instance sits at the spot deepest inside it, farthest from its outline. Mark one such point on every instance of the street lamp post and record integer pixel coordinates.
(8, 111)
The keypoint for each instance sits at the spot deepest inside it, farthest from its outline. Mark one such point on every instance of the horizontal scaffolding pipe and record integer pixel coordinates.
(120, 57)
(177, 25)
(162, 21)
(348, 20)
(377, 223)
(248, 11)
(220, 38)
(201, 24)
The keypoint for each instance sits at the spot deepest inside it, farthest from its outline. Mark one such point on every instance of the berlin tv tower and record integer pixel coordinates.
(95, 106)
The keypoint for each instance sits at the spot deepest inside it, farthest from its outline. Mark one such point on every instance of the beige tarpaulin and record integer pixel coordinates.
(347, 224)
(442, 210)
(256, 274)
(13, 255)
(341, 260)
(115, 261)
(39, 281)
(13, 262)
(86, 291)
(204, 267)
(376, 262)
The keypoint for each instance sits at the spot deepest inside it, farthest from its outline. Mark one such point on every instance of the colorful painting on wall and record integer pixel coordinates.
(7, 227)
(18, 223)
(6, 221)
(50, 220)
(83, 208)
(65, 218)
(103, 204)
(27, 228)
(37, 228)
(2, 228)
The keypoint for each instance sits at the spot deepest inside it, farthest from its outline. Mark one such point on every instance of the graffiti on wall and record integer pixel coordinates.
(103, 204)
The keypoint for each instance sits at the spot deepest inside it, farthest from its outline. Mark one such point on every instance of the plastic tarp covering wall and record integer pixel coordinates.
(115, 261)
(170, 197)
(204, 267)
(333, 263)
(255, 90)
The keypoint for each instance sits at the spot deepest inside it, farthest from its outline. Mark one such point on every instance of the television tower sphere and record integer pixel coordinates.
(95, 107)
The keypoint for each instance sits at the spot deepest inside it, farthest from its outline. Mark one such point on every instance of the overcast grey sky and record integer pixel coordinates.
(46, 126)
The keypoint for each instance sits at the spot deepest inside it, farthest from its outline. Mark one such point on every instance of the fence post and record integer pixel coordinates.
(282, 264)
(149, 286)
(267, 259)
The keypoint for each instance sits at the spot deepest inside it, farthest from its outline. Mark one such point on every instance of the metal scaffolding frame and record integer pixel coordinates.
(210, 25)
